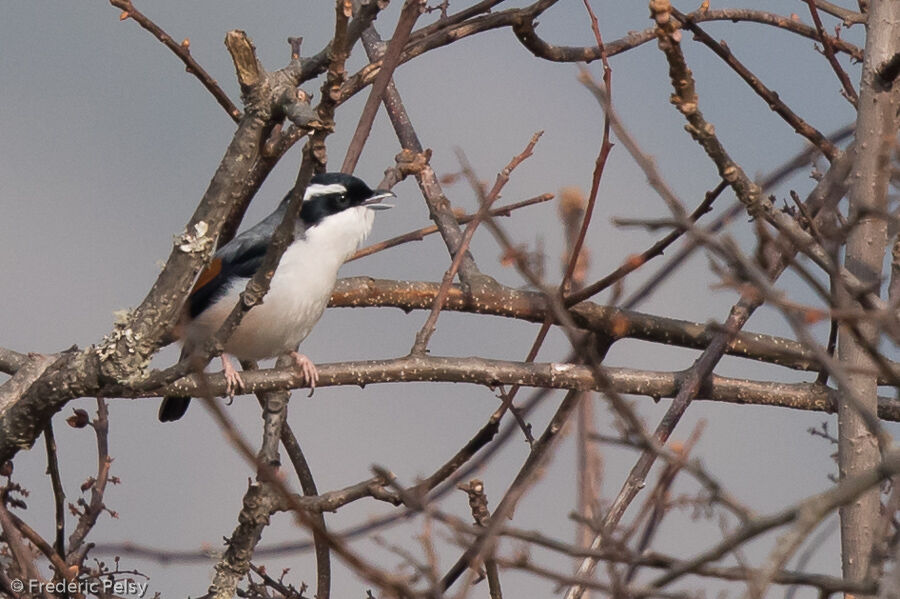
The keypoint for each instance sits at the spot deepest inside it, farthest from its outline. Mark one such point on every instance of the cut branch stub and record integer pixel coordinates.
(249, 70)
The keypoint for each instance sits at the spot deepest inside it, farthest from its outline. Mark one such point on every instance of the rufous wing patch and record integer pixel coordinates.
(208, 274)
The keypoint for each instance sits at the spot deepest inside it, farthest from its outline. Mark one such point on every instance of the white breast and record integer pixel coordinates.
(298, 294)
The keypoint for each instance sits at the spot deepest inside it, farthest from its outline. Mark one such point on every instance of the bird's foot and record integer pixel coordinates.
(233, 380)
(307, 370)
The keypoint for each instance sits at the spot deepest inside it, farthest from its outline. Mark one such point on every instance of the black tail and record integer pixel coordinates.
(172, 408)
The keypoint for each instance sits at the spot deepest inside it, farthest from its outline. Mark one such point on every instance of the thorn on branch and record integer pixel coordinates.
(295, 43)
(823, 432)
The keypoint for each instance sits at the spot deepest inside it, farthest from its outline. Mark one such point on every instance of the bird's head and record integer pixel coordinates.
(332, 193)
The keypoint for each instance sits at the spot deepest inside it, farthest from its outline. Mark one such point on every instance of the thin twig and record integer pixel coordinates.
(95, 506)
(59, 494)
(605, 148)
(289, 501)
(656, 503)
(771, 98)
(183, 52)
(657, 249)
(685, 100)
(55, 558)
(308, 484)
(20, 552)
(828, 48)
(479, 505)
(525, 478)
(427, 329)
(803, 514)
(591, 351)
(420, 234)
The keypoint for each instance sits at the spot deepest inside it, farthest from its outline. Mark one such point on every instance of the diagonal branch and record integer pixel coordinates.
(389, 61)
(183, 52)
(427, 330)
(438, 205)
(849, 90)
(772, 99)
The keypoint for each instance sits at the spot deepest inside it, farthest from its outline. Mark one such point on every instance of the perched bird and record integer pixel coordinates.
(336, 215)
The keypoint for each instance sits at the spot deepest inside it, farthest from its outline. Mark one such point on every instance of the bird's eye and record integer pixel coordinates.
(343, 201)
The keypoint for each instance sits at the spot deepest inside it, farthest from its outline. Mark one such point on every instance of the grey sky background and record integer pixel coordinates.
(107, 146)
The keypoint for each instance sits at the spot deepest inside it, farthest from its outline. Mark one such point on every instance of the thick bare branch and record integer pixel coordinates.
(876, 130)
(11, 361)
(607, 321)
(481, 371)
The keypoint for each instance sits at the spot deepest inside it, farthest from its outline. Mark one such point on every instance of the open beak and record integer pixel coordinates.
(375, 201)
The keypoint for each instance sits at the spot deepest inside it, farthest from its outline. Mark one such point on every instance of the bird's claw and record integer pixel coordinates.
(307, 371)
(233, 380)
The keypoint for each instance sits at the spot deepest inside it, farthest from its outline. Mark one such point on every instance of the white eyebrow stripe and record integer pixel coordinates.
(317, 189)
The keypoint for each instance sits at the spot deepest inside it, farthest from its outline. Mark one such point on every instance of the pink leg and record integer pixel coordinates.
(233, 381)
(307, 370)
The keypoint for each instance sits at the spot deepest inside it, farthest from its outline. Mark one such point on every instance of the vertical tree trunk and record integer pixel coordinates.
(876, 132)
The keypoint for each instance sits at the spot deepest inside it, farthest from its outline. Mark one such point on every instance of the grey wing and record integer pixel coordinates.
(249, 240)
(258, 234)
(240, 257)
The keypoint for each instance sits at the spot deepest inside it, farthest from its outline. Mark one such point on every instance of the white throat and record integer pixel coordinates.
(337, 236)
